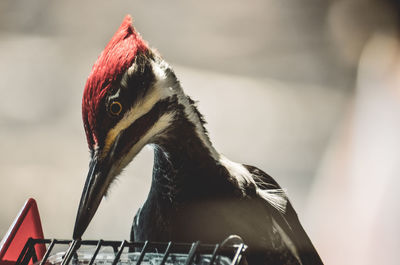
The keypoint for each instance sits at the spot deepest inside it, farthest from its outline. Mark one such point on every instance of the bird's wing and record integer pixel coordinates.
(287, 222)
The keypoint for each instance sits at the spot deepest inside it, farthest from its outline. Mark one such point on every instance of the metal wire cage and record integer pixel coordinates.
(187, 253)
(24, 244)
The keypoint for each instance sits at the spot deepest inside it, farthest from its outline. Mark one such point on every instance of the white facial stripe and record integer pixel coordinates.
(162, 123)
(163, 88)
(159, 69)
(141, 107)
(116, 95)
(194, 118)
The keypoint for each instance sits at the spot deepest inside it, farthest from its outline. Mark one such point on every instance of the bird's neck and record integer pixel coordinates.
(185, 161)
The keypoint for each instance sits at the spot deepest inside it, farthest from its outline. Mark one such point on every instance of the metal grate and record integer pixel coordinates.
(234, 252)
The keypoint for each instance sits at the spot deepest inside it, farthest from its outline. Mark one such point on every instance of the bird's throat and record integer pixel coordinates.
(183, 162)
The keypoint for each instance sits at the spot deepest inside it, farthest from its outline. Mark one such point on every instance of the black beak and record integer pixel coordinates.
(97, 182)
(95, 187)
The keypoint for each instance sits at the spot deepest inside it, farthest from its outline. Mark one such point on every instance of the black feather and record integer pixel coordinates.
(194, 197)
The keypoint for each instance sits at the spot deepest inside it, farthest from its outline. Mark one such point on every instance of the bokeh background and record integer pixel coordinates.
(308, 91)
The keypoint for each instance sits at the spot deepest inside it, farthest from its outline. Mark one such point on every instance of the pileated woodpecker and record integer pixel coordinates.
(133, 98)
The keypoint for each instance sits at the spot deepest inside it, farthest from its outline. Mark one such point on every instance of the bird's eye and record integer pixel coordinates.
(115, 108)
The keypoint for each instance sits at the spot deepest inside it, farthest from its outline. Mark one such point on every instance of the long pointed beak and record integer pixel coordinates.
(95, 187)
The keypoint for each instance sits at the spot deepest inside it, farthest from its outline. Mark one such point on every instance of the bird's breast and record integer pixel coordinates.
(207, 220)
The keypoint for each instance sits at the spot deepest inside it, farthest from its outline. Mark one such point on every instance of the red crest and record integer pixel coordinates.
(112, 63)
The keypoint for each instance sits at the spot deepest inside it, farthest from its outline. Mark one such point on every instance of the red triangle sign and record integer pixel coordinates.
(26, 225)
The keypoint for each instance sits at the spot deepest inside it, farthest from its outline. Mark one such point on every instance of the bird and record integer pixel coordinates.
(132, 98)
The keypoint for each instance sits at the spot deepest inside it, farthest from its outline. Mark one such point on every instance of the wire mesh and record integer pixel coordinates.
(164, 251)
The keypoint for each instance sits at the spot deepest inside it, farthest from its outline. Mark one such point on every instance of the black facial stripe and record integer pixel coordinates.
(137, 85)
(131, 135)
(139, 82)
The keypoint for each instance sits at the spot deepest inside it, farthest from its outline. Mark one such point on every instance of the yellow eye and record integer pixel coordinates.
(115, 108)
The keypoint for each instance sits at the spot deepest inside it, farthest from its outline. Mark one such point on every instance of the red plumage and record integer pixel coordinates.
(112, 63)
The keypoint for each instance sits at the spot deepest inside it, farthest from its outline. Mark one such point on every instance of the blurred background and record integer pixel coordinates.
(309, 91)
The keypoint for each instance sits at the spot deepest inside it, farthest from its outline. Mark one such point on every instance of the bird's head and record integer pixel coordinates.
(127, 103)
